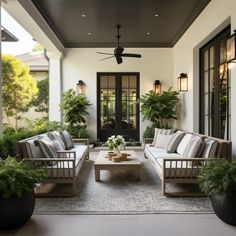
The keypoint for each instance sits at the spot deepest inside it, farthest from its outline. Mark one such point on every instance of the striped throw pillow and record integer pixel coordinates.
(46, 147)
(68, 141)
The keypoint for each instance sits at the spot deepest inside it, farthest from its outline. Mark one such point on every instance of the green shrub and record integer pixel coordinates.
(78, 131)
(149, 132)
(218, 177)
(18, 178)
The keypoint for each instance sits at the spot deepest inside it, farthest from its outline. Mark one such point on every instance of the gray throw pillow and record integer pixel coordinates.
(55, 135)
(174, 141)
(46, 147)
(68, 141)
(57, 145)
(210, 148)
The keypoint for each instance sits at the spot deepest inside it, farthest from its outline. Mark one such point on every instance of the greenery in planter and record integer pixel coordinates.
(149, 131)
(218, 177)
(18, 178)
(75, 108)
(159, 108)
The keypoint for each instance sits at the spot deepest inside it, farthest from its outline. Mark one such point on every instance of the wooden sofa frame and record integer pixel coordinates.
(182, 176)
(55, 167)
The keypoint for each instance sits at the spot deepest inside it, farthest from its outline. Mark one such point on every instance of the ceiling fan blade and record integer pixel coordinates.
(106, 58)
(119, 59)
(105, 53)
(131, 55)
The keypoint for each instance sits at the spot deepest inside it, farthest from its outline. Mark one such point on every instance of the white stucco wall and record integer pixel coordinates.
(215, 17)
(83, 64)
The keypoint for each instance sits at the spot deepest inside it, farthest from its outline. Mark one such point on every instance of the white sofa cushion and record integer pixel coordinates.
(33, 151)
(210, 148)
(57, 145)
(161, 140)
(174, 141)
(183, 143)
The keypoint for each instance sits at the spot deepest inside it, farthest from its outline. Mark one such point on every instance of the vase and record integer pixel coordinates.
(118, 150)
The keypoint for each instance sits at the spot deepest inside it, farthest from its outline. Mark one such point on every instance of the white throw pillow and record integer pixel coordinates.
(194, 147)
(161, 131)
(162, 140)
(183, 144)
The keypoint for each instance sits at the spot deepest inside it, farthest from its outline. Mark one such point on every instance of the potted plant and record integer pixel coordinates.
(159, 108)
(114, 142)
(17, 200)
(218, 181)
(75, 108)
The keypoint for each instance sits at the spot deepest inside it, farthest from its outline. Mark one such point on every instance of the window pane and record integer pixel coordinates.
(212, 63)
(223, 50)
(206, 82)
(206, 65)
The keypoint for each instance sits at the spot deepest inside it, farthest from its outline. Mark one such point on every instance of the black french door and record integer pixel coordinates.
(215, 87)
(117, 107)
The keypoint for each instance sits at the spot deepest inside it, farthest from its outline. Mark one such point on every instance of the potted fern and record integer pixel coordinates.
(218, 181)
(17, 200)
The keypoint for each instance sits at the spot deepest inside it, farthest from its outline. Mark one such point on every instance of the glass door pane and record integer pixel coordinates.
(107, 102)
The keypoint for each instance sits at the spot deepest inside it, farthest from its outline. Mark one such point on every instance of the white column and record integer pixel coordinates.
(55, 85)
(1, 107)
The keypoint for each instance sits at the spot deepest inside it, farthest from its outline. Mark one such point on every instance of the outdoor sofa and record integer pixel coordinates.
(178, 157)
(60, 155)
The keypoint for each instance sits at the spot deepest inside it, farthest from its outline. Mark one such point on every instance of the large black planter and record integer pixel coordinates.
(15, 211)
(225, 207)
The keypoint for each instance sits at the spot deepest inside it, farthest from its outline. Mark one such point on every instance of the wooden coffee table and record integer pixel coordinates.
(102, 163)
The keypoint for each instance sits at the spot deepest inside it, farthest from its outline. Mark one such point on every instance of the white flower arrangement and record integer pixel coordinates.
(114, 142)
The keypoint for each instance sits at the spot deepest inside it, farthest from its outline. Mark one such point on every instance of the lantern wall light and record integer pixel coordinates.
(157, 86)
(80, 87)
(231, 48)
(182, 82)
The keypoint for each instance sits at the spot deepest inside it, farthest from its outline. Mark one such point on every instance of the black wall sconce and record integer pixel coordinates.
(80, 87)
(157, 86)
(231, 48)
(182, 82)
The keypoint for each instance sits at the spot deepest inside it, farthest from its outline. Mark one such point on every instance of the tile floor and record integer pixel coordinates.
(125, 225)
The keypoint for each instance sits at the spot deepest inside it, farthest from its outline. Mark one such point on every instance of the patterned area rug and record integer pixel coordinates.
(120, 193)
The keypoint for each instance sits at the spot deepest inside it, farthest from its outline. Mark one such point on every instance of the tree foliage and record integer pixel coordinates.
(42, 100)
(159, 108)
(18, 88)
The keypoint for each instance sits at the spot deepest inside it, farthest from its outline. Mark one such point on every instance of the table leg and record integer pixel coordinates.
(97, 174)
(138, 174)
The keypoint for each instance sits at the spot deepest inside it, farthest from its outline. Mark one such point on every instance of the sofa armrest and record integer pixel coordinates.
(184, 168)
(148, 140)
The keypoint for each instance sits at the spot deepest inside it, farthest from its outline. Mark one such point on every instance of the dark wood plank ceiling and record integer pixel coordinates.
(92, 23)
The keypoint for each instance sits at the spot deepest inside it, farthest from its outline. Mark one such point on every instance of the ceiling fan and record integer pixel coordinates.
(118, 51)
